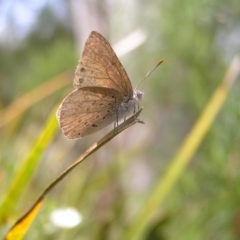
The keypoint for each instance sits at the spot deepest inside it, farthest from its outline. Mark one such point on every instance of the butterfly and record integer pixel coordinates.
(103, 92)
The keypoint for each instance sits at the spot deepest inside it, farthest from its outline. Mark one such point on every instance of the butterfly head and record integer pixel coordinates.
(138, 95)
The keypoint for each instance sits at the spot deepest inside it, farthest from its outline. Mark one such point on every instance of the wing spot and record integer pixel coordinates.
(80, 120)
(113, 96)
(97, 116)
(79, 134)
(108, 111)
(104, 117)
(86, 124)
(94, 125)
(82, 69)
(80, 80)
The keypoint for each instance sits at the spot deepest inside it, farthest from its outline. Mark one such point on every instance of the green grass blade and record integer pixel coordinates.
(25, 172)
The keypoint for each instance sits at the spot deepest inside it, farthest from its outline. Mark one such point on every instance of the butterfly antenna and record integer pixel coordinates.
(149, 73)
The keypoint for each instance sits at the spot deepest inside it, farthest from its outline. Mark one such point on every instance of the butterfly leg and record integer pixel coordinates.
(138, 106)
(117, 119)
(134, 109)
(125, 115)
(116, 123)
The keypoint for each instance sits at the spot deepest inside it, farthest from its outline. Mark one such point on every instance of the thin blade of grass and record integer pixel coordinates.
(184, 155)
(19, 229)
(24, 102)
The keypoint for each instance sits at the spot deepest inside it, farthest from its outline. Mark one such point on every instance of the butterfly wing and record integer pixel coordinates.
(87, 110)
(99, 66)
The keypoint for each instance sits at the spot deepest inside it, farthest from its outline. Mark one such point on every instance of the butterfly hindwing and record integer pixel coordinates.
(87, 110)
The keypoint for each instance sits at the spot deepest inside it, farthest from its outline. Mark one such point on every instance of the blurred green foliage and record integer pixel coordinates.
(196, 40)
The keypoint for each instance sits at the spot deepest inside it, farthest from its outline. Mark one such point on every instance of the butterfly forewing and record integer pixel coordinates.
(87, 110)
(100, 67)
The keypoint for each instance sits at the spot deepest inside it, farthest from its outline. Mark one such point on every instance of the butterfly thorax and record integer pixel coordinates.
(130, 105)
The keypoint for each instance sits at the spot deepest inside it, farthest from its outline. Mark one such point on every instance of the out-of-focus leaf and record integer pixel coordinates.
(25, 172)
(24, 102)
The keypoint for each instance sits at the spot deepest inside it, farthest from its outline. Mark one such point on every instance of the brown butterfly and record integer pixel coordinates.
(103, 93)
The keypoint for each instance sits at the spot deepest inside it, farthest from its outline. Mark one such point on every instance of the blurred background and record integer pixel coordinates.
(42, 40)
